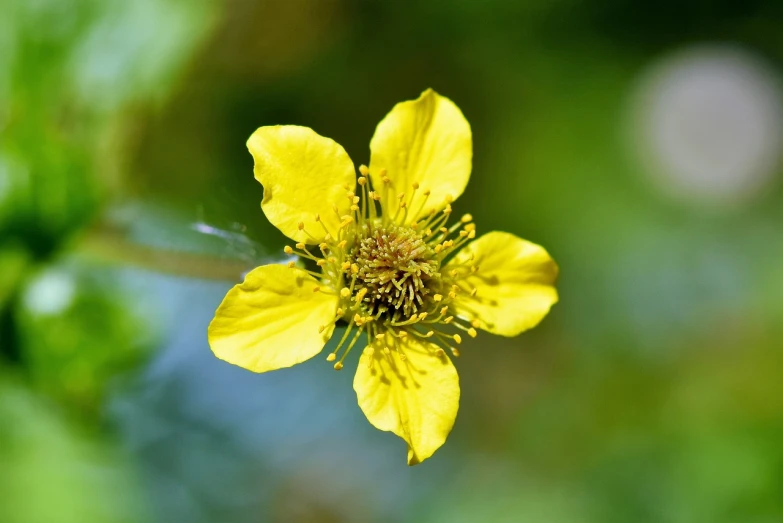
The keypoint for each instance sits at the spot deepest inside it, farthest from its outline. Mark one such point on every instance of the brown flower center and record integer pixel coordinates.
(398, 269)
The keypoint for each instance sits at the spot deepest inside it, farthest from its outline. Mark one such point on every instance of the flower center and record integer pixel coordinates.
(387, 270)
(397, 271)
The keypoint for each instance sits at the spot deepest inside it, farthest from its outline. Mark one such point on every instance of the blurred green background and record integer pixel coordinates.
(639, 143)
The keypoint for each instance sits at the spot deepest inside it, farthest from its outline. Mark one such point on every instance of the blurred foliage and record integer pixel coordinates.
(651, 394)
(76, 335)
(69, 75)
(54, 472)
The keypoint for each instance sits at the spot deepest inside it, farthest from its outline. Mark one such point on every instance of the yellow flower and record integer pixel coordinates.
(383, 259)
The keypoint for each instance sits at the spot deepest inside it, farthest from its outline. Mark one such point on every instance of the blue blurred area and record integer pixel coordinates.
(641, 145)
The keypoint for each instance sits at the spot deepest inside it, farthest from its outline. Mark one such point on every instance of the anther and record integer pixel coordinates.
(345, 292)
(316, 288)
(472, 332)
(448, 320)
(437, 298)
(362, 180)
(444, 310)
(317, 217)
(466, 218)
(476, 323)
(321, 329)
(331, 357)
(354, 269)
(301, 226)
(457, 338)
(291, 265)
(364, 170)
(454, 351)
(415, 185)
(338, 365)
(300, 245)
(288, 250)
(321, 263)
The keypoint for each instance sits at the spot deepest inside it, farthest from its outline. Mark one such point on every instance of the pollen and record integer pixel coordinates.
(387, 271)
(396, 269)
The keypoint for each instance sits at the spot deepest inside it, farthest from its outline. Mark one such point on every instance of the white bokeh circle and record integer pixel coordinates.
(707, 123)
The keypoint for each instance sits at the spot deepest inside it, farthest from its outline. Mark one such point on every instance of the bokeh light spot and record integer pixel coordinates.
(707, 123)
(50, 293)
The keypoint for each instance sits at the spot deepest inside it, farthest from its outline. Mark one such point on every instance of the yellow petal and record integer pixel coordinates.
(416, 398)
(514, 283)
(272, 319)
(303, 174)
(425, 141)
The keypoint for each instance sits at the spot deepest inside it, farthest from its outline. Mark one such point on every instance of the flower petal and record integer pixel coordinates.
(303, 174)
(271, 320)
(427, 141)
(514, 283)
(416, 398)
